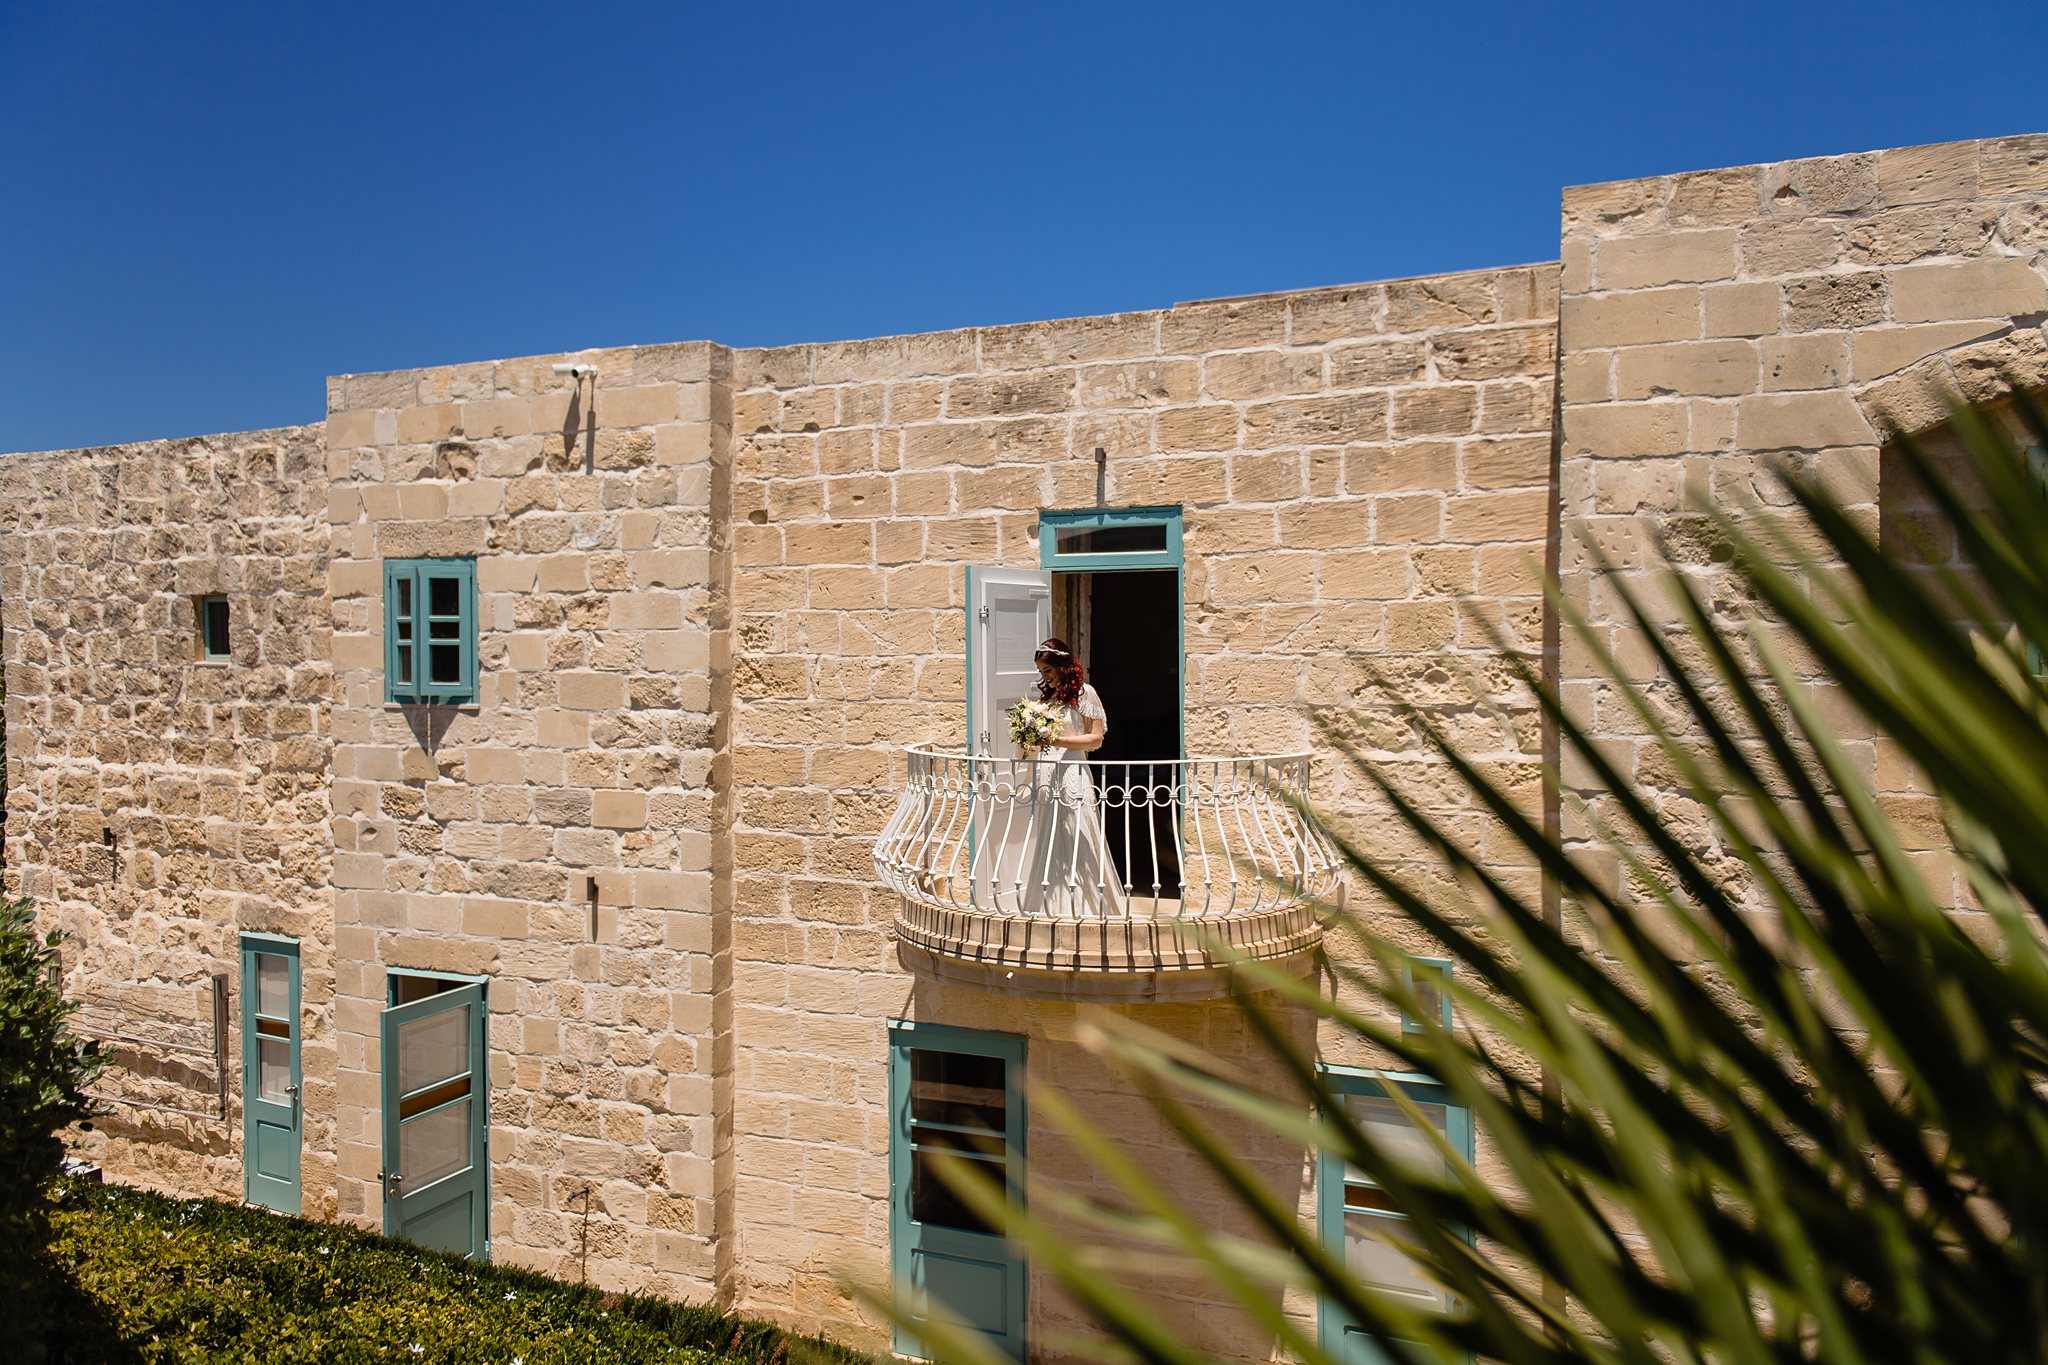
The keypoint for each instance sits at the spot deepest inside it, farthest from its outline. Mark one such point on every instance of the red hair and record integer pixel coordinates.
(1067, 691)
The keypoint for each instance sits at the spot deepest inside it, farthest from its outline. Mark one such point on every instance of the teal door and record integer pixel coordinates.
(958, 1091)
(1361, 1224)
(271, 1113)
(435, 1120)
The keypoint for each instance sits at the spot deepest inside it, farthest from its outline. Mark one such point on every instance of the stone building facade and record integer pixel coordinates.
(718, 592)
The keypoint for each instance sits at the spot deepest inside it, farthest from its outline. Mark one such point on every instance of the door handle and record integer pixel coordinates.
(291, 1090)
(391, 1181)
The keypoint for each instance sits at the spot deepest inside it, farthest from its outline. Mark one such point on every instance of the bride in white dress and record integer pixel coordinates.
(1067, 871)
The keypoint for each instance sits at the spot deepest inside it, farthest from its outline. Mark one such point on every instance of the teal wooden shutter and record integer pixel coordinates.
(401, 630)
(430, 631)
(448, 642)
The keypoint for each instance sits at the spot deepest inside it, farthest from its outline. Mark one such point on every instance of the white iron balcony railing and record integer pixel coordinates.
(1122, 867)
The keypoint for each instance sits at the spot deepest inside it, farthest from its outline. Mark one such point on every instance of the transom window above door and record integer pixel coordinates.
(1110, 538)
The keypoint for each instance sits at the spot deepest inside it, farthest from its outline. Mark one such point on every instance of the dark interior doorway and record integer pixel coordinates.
(1130, 620)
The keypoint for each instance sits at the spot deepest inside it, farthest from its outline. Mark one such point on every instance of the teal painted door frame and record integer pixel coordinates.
(1167, 556)
(978, 1276)
(436, 1118)
(1344, 1339)
(272, 1115)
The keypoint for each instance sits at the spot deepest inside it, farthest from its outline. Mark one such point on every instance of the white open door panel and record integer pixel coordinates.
(1008, 612)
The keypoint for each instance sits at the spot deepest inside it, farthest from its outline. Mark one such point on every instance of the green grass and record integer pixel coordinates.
(144, 1278)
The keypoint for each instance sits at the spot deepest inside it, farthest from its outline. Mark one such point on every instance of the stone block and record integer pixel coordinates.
(1819, 360)
(1709, 368)
(1832, 302)
(1800, 421)
(1706, 256)
(1140, 384)
(1223, 325)
(1328, 315)
(1506, 462)
(1626, 430)
(619, 809)
(1438, 410)
(1495, 353)
(1822, 185)
(1204, 428)
(1740, 310)
(496, 417)
(1335, 420)
(1262, 374)
(1404, 519)
(1441, 301)
(1716, 198)
(586, 691)
(2014, 166)
(1793, 246)
(1919, 175)
(1006, 395)
(430, 423)
(2006, 288)
(1377, 364)
(1591, 322)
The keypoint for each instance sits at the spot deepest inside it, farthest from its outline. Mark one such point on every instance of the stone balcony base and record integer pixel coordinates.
(1108, 960)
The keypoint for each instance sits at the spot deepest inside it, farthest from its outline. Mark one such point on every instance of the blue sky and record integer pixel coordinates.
(211, 207)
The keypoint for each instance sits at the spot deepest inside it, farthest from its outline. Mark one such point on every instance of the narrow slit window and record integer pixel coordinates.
(213, 628)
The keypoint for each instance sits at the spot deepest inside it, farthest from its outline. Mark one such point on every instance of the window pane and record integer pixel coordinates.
(215, 626)
(404, 587)
(273, 1069)
(1146, 538)
(433, 1145)
(1383, 1121)
(1372, 1257)
(433, 1049)
(958, 1088)
(933, 1201)
(273, 986)
(444, 664)
(438, 629)
(444, 596)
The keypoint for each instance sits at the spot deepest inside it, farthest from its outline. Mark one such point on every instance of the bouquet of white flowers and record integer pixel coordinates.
(1033, 725)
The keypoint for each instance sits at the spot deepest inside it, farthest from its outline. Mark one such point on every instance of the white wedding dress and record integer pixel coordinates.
(1066, 871)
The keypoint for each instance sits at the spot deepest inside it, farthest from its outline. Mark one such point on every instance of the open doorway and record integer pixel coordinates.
(1125, 625)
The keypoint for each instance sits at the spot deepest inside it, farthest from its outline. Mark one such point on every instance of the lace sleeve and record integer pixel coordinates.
(1091, 707)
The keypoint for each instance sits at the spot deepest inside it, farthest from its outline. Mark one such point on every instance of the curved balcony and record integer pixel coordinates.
(1105, 880)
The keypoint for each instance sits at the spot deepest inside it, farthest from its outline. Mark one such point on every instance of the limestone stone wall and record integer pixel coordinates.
(467, 839)
(1718, 322)
(160, 804)
(1364, 476)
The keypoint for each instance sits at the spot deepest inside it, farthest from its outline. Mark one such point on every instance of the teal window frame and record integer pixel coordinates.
(1439, 967)
(203, 608)
(1051, 523)
(1338, 1331)
(408, 634)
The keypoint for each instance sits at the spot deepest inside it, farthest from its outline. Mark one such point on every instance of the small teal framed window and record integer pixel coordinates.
(1429, 978)
(212, 611)
(430, 631)
(1358, 1223)
(1110, 538)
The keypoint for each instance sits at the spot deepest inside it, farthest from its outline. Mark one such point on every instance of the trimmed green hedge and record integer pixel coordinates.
(148, 1279)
